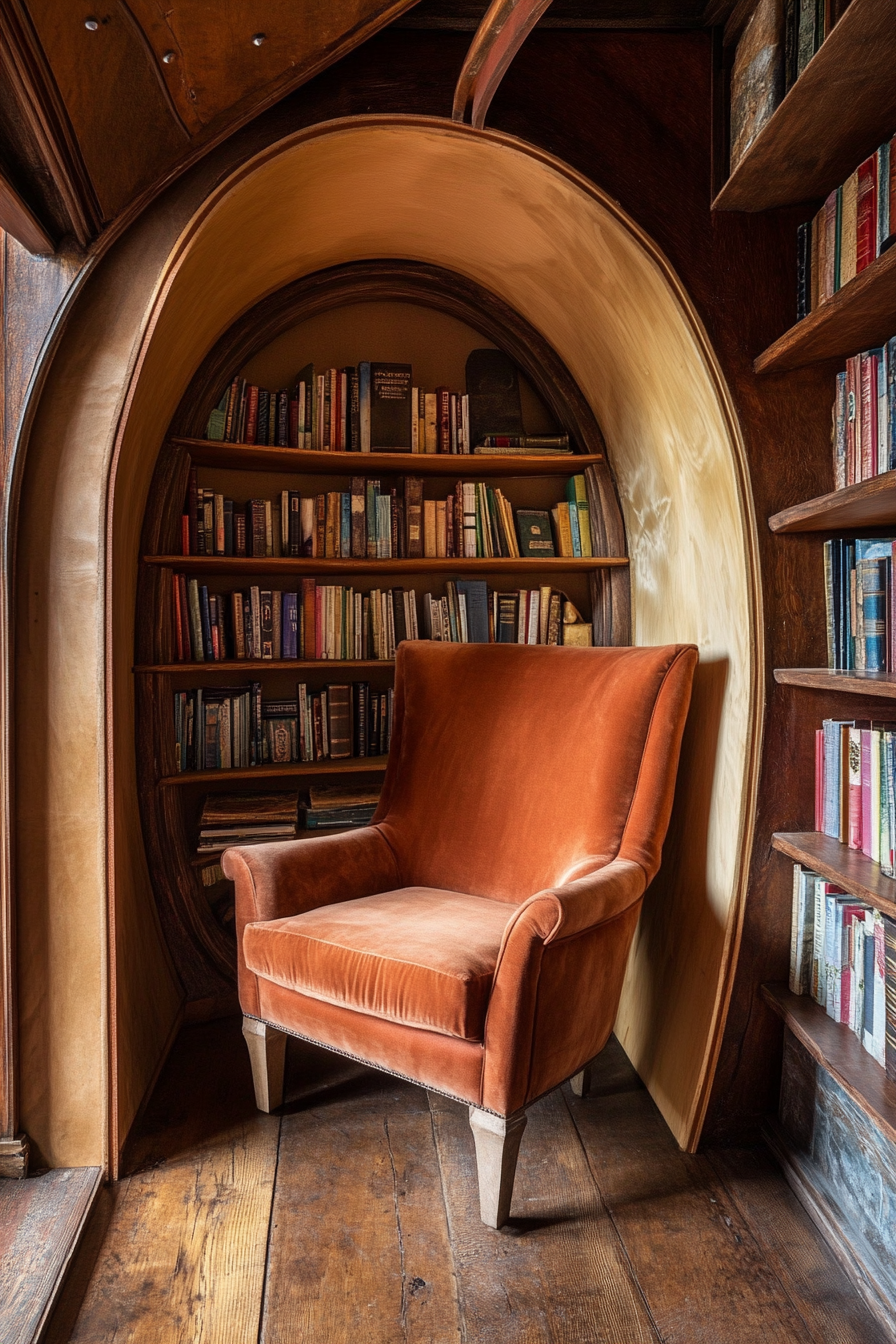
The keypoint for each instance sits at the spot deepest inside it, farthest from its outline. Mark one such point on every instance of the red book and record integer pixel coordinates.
(185, 641)
(868, 392)
(850, 914)
(866, 214)
(854, 786)
(819, 779)
(185, 534)
(178, 623)
(251, 414)
(308, 617)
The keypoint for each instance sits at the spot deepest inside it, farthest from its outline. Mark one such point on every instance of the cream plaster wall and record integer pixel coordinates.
(555, 248)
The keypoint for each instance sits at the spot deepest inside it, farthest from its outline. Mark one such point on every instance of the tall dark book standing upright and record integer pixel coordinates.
(494, 391)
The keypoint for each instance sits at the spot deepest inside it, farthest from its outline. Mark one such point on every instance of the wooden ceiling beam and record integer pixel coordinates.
(19, 220)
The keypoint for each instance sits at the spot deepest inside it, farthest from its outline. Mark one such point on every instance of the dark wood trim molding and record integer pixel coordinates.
(503, 31)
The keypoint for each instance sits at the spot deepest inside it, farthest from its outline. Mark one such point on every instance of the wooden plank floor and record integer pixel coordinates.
(352, 1218)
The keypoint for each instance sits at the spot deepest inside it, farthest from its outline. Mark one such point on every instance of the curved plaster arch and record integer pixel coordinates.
(553, 246)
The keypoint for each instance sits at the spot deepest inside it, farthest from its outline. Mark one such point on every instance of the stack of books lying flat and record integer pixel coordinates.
(341, 805)
(246, 819)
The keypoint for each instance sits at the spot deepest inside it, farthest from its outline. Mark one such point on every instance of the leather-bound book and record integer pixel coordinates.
(494, 393)
(390, 408)
(413, 506)
(339, 721)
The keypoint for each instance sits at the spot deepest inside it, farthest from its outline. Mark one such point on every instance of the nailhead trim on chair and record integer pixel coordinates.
(359, 1059)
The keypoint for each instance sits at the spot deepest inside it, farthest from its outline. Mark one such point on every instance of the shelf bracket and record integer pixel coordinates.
(503, 30)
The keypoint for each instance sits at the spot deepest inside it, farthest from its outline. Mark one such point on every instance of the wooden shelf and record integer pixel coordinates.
(849, 868)
(354, 765)
(249, 457)
(867, 504)
(854, 682)
(232, 564)
(204, 860)
(232, 666)
(839, 1051)
(859, 316)
(836, 114)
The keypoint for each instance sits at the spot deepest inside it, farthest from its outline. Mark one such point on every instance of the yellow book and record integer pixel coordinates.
(429, 529)
(441, 528)
(564, 532)
(431, 429)
(848, 228)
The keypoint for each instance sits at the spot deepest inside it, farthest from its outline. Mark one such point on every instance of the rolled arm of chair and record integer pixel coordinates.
(545, 918)
(285, 878)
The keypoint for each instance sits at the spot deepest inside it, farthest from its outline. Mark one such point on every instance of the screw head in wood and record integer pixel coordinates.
(91, 25)
(169, 57)
(259, 39)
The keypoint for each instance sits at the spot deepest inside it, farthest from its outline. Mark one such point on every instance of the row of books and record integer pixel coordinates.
(258, 818)
(863, 435)
(854, 226)
(843, 954)
(363, 408)
(330, 621)
(368, 522)
(859, 598)
(855, 787)
(227, 727)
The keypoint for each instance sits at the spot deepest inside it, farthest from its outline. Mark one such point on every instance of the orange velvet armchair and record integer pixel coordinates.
(474, 937)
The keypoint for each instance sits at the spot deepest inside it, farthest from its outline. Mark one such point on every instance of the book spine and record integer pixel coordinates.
(890, 997)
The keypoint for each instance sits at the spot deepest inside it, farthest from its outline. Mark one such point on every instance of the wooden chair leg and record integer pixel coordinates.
(581, 1082)
(267, 1054)
(497, 1149)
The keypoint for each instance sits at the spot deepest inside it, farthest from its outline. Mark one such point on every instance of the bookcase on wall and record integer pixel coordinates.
(836, 114)
(194, 900)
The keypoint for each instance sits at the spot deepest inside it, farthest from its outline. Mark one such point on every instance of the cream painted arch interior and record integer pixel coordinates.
(553, 246)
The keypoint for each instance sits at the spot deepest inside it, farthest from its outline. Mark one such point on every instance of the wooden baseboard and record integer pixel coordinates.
(859, 1259)
(14, 1154)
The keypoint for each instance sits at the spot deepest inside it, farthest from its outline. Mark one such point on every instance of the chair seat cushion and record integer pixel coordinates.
(418, 955)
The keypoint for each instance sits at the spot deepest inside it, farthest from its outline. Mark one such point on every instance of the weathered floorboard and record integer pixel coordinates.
(808, 1269)
(359, 1238)
(184, 1253)
(40, 1222)
(557, 1271)
(696, 1261)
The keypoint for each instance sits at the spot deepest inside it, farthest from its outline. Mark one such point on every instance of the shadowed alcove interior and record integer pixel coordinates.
(101, 989)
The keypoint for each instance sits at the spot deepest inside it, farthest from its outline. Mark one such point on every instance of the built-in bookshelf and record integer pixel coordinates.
(194, 899)
(835, 113)
(840, 109)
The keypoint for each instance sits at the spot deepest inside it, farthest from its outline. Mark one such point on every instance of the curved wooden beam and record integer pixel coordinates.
(503, 30)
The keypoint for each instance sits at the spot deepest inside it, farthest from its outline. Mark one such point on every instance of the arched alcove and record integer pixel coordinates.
(550, 245)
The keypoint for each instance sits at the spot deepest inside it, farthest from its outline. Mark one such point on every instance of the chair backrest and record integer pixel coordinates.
(514, 768)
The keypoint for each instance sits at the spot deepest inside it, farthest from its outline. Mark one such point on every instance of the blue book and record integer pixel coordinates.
(289, 626)
(475, 593)
(832, 763)
(574, 529)
(883, 196)
(345, 529)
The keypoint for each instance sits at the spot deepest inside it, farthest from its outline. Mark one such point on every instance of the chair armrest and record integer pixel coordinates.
(287, 877)
(545, 918)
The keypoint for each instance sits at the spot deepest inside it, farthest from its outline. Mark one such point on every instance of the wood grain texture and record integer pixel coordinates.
(812, 1275)
(856, 682)
(839, 110)
(856, 1257)
(227, 564)
(228, 667)
(504, 28)
(691, 1250)
(834, 1046)
(850, 868)
(558, 1269)
(359, 1235)
(251, 458)
(858, 316)
(194, 1215)
(354, 765)
(18, 219)
(41, 1222)
(865, 504)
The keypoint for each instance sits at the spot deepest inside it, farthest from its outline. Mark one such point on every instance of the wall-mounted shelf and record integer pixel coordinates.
(849, 868)
(232, 667)
(860, 315)
(353, 765)
(251, 457)
(853, 682)
(836, 114)
(867, 504)
(838, 1050)
(229, 564)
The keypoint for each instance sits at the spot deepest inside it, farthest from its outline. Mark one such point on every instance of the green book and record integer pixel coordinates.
(536, 538)
(576, 493)
(217, 421)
